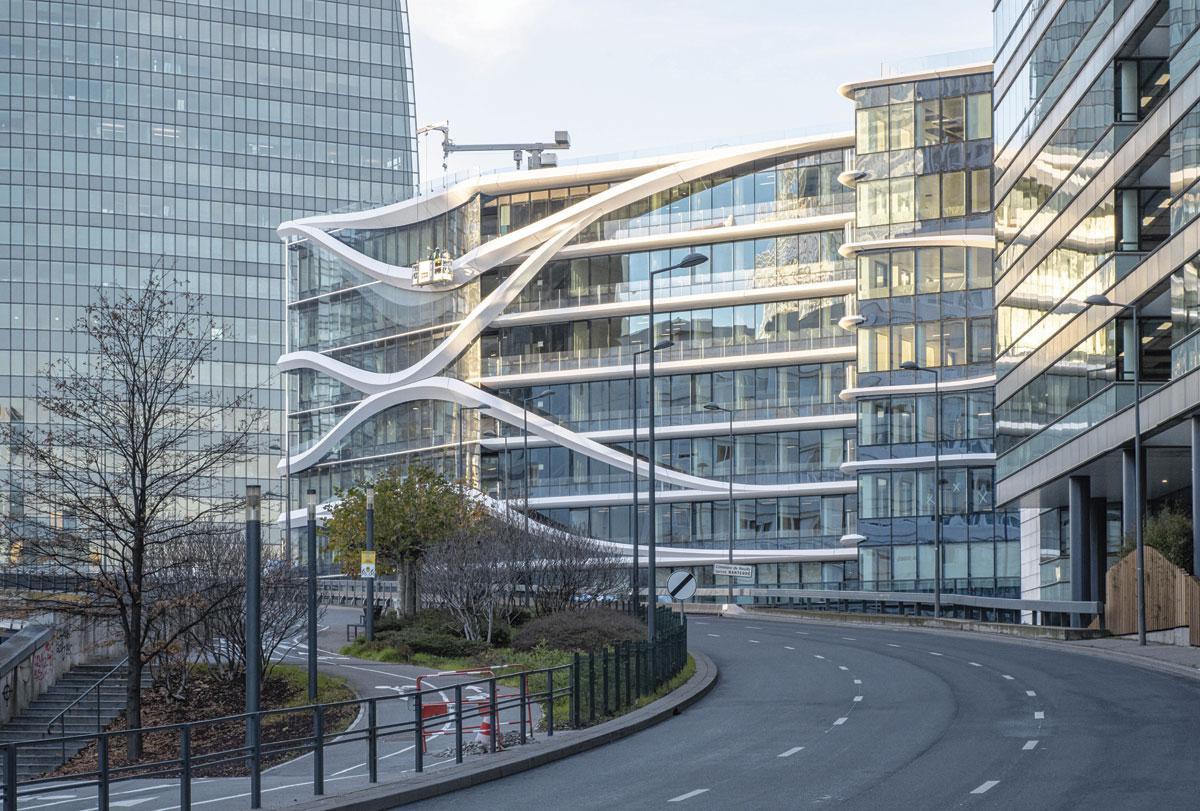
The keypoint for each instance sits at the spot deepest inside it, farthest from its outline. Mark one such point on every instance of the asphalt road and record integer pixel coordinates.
(809, 714)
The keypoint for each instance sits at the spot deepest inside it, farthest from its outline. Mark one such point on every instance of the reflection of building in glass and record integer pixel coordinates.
(1096, 127)
(548, 294)
(922, 241)
(135, 138)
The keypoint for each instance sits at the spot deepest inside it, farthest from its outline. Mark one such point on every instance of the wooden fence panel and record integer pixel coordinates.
(1172, 597)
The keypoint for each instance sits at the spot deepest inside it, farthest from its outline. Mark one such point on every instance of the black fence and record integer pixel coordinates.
(588, 689)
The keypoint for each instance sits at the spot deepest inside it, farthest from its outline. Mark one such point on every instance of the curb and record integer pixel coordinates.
(985, 630)
(513, 761)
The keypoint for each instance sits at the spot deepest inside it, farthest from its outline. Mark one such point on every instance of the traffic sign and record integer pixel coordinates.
(367, 565)
(733, 570)
(681, 585)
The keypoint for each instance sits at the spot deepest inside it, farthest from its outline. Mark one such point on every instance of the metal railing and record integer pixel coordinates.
(61, 718)
(591, 687)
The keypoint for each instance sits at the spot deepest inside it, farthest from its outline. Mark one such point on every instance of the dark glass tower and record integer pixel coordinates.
(136, 134)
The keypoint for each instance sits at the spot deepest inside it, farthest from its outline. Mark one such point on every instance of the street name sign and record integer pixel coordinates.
(733, 570)
(681, 585)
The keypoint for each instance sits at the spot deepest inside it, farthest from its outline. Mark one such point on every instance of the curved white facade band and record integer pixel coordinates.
(853, 249)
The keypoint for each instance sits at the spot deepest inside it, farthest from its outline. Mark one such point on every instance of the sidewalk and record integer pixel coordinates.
(1152, 654)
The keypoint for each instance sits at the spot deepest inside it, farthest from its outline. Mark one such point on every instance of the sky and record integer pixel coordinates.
(624, 75)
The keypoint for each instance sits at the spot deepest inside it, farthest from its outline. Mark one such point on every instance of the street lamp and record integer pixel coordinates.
(1140, 550)
(311, 501)
(691, 260)
(369, 617)
(667, 344)
(525, 439)
(729, 411)
(913, 366)
(253, 631)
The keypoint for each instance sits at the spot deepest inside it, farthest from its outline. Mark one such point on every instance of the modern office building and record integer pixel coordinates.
(922, 242)
(177, 135)
(536, 306)
(1096, 132)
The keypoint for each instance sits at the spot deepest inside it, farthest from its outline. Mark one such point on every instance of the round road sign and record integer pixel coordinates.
(681, 585)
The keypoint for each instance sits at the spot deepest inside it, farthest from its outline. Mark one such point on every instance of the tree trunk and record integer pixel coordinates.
(409, 604)
(133, 706)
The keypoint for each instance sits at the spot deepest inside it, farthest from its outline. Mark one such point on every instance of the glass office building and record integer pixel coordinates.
(1096, 133)
(536, 306)
(923, 247)
(177, 135)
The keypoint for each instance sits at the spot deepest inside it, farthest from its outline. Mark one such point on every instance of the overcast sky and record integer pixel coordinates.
(630, 74)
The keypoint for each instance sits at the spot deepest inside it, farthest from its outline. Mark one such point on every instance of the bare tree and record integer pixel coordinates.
(128, 465)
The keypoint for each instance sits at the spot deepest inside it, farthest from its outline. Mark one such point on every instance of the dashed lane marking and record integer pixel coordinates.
(935, 653)
(755, 641)
(840, 721)
(1029, 745)
(1006, 677)
(791, 751)
(849, 639)
(857, 699)
(757, 628)
(1030, 693)
(974, 664)
(1039, 715)
(983, 788)
(842, 667)
(892, 645)
(788, 647)
(688, 796)
(714, 635)
(802, 633)
(818, 656)
(858, 681)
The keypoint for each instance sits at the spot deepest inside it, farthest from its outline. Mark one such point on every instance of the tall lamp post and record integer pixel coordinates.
(525, 401)
(311, 501)
(1140, 550)
(253, 606)
(689, 261)
(633, 575)
(732, 452)
(369, 616)
(285, 449)
(913, 366)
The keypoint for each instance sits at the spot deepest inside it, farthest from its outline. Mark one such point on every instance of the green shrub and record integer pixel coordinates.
(578, 629)
(429, 631)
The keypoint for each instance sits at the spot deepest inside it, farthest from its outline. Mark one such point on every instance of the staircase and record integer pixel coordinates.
(45, 751)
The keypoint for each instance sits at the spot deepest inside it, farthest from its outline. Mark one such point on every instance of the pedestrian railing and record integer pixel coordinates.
(591, 687)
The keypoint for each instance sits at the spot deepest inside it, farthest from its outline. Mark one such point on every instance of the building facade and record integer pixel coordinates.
(923, 246)
(177, 135)
(1096, 132)
(535, 308)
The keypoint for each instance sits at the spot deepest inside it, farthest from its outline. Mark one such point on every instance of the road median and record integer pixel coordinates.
(547, 749)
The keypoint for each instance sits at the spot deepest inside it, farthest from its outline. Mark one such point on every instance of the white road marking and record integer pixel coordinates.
(132, 802)
(1030, 693)
(785, 647)
(687, 796)
(840, 721)
(791, 751)
(757, 628)
(1006, 676)
(755, 641)
(985, 787)
(849, 639)
(1029, 745)
(713, 635)
(842, 667)
(858, 681)
(892, 645)
(935, 653)
(818, 656)
(1039, 715)
(698, 622)
(802, 633)
(974, 664)
(857, 699)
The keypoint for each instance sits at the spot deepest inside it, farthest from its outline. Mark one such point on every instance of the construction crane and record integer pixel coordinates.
(538, 157)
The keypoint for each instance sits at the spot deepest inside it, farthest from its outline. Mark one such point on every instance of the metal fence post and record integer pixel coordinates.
(185, 768)
(616, 656)
(419, 748)
(494, 714)
(524, 708)
(102, 777)
(591, 686)
(604, 680)
(10, 777)
(318, 751)
(372, 741)
(458, 719)
(575, 698)
(550, 701)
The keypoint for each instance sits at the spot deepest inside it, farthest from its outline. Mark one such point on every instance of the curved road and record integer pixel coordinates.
(809, 713)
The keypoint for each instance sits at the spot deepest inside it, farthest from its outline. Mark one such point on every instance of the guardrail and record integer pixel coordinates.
(822, 598)
(589, 688)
